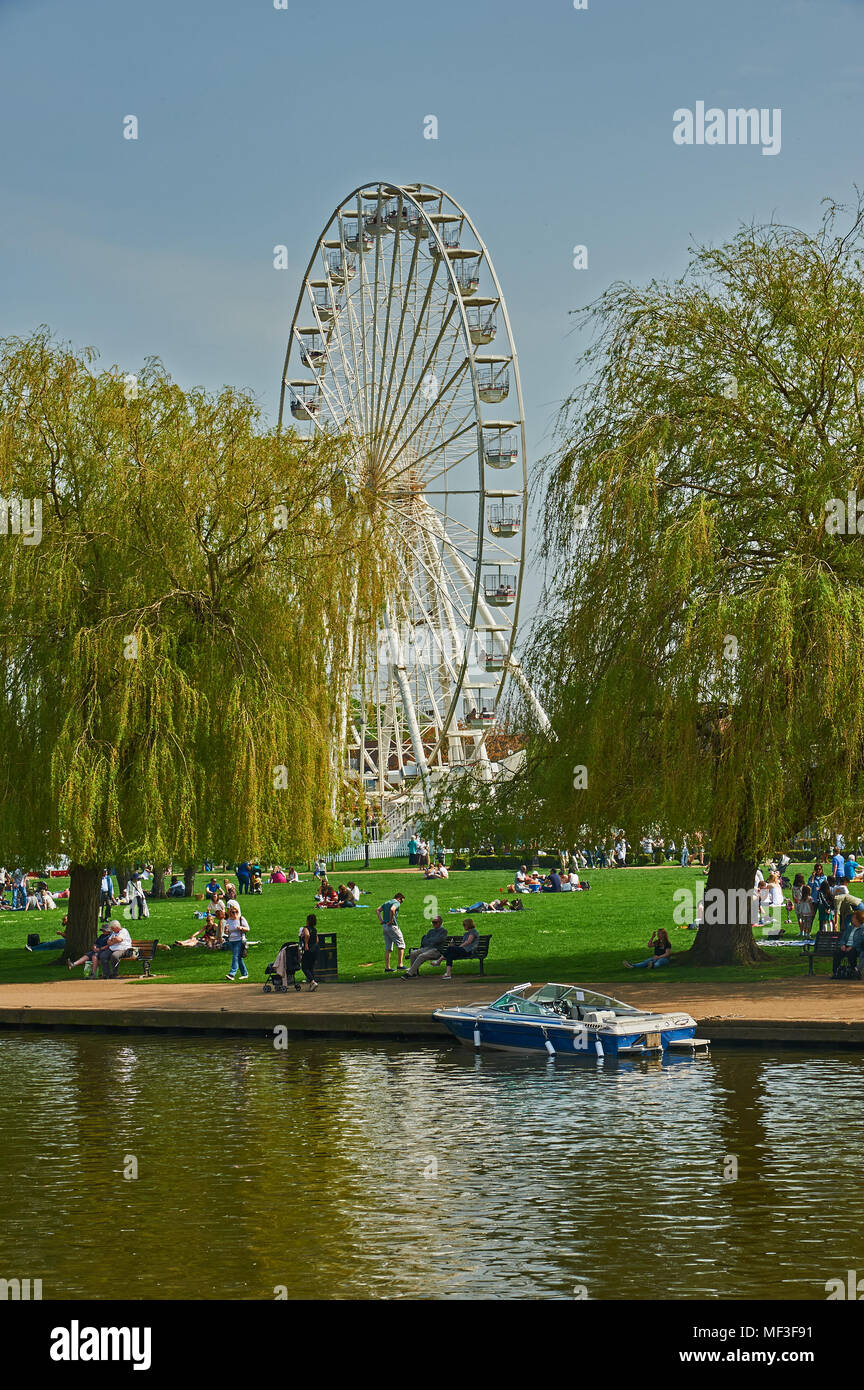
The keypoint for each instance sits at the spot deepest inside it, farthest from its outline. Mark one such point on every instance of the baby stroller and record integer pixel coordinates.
(285, 966)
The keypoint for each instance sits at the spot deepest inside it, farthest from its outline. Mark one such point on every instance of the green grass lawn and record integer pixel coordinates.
(571, 936)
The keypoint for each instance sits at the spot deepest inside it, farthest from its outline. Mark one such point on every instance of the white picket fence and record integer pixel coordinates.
(378, 849)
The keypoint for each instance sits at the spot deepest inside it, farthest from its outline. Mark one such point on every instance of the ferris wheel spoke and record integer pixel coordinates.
(384, 395)
(420, 370)
(436, 452)
(460, 370)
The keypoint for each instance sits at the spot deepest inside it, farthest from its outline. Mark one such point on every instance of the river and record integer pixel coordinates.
(381, 1170)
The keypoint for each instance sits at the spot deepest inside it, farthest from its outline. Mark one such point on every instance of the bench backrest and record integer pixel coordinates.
(825, 942)
(146, 949)
(480, 950)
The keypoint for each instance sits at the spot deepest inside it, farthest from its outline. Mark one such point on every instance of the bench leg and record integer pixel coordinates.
(481, 965)
(146, 964)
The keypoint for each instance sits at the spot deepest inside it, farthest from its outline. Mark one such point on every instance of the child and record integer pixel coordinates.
(804, 909)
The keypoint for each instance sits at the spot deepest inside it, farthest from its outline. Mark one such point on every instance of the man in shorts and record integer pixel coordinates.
(387, 915)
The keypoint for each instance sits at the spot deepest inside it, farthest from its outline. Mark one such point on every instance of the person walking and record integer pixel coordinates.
(388, 914)
(237, 929)
(135, 897)
(244, 877)
(106, 896)
(19, 891)
(309, 950)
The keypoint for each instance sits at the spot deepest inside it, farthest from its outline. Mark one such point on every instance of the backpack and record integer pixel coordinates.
(33, 938)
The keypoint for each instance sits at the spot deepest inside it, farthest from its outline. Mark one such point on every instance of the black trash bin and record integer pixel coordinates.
(327, 964)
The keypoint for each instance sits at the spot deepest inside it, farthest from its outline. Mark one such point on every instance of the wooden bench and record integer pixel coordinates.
(825, 943)
(143, 951)
(481, 950)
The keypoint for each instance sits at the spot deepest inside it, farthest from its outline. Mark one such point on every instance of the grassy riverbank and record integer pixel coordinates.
(578, 936)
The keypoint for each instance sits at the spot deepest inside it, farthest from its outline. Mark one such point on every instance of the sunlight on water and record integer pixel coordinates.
(345, 1170)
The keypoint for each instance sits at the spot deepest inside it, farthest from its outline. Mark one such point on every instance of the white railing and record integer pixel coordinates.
(378, 849)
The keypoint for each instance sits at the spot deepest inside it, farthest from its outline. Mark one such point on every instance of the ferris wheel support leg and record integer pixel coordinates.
(481, 758)
(411, 720)
(515, 669)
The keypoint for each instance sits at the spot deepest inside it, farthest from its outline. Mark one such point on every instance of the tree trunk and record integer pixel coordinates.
(124, 873)
(726, 934)
(84, 884)
(189, 880)
(158, 890)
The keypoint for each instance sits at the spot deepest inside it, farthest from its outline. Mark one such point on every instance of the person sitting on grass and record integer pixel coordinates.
(208, 936)
(278, 876)
(552, 882)
(292, 876)
(212, 886)
(465, 949)
(662, 948)
(327, 895)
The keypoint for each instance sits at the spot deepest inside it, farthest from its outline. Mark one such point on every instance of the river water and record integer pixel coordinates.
(380, 1170)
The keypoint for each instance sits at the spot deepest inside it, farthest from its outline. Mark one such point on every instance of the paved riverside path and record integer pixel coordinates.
(800, 1010)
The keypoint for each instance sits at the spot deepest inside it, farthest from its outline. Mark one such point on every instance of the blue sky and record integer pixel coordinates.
(555, 129)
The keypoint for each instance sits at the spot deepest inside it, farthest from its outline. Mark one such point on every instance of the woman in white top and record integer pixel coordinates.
(237, 928)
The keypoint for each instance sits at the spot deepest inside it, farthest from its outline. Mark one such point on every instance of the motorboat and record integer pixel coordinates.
(570, 1021)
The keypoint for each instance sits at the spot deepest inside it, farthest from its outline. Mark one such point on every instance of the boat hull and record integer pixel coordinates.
(513, 1034)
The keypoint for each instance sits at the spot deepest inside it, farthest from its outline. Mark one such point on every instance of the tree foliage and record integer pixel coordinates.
(174, 647)
(698, 651)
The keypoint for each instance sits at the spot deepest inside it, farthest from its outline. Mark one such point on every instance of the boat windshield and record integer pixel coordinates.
(561, 1001)
(514, 1002)
(576, 1001)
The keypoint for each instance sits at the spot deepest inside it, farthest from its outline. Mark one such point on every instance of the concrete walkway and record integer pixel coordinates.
(805, 1011)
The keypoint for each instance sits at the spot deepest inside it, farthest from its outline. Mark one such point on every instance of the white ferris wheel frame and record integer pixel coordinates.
(415, 197)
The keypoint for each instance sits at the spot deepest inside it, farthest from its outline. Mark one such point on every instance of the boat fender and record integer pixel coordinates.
(548, 1045)
(476, 1035)
(599, 1046)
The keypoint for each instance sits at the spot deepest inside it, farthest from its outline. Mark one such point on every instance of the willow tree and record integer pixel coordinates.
(165, 683)
(699, 646)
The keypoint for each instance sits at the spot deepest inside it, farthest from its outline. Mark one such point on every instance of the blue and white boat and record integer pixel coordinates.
(570, 1021)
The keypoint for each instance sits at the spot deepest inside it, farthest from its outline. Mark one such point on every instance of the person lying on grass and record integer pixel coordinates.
(662, 948)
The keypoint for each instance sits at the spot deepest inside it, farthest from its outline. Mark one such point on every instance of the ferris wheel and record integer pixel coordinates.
(401, 345)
